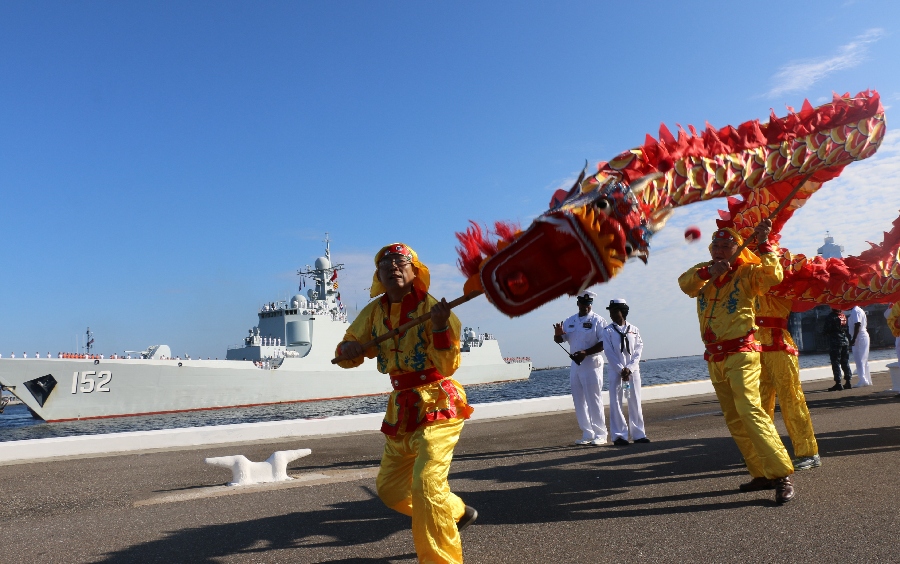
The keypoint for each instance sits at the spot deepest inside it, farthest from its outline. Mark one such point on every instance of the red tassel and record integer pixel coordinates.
(470, 256)
(506, 231)
(476, 245)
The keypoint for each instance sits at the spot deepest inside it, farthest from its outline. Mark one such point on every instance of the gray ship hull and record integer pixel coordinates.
(286, 358)
(89, 389)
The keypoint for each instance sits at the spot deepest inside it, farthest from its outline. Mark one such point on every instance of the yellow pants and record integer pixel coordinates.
(413, 481)
(781, 376)
(736, 381)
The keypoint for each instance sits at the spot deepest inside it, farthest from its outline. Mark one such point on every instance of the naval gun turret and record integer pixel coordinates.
(157, 352)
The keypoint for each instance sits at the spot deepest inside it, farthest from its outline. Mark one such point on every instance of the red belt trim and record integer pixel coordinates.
(408, 407)
(778, 343)
(772, 322)
(717, 351)
(409, 380)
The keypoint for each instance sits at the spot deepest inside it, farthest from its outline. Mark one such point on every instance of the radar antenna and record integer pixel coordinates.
(321, 275)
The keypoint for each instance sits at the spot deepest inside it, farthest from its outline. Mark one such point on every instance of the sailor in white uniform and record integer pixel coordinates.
(623, 346)
(859, 344)
(584, 333)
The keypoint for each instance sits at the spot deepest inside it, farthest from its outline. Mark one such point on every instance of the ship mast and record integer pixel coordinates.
(89, 341)
(324, 279)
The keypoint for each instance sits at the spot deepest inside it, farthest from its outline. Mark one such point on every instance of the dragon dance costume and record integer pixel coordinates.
(726, 309)
(781, 374)
(589, 233)
(892, 314)
(425, 412)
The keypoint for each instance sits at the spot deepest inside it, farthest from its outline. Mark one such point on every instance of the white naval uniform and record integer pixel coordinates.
(586, 380)
(861, 347)
(612, 346)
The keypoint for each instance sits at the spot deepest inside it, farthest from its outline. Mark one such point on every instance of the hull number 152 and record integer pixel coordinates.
(85, 382)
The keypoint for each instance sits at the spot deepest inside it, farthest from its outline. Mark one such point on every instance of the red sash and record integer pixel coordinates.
(772, 322)
(409, 380)
(717, 351)
(778, 344)
(407, 400)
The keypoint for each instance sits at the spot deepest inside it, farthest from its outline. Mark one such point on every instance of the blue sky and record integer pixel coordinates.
(166, 167)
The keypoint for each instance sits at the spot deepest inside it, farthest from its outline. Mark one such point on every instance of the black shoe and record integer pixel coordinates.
(836, 388)
(757, 484)
(847, 386)
(784, 490)
(467, 519)
(620, 442)
(644, 440)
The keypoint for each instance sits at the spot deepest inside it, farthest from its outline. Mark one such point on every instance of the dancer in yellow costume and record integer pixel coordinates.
(892, 315)
(427, 408)
(726, 307)
(781, 376)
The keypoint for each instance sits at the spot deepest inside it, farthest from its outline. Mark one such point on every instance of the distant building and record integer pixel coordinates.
(829, 249)
(806, 327)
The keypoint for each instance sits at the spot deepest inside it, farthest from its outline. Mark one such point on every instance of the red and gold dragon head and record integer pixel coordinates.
(610, 216)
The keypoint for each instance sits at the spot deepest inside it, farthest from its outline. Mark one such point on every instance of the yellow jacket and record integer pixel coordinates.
(419, 349)
(893, 319)
(726, 307)
(772, 314)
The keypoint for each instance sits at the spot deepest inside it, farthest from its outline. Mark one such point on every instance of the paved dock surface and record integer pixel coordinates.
(540, 498)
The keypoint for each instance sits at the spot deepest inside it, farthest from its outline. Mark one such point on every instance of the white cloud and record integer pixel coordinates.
(799, 75)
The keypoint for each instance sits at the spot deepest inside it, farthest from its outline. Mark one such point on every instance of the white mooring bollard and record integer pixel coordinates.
(894, 369)
(246, 472)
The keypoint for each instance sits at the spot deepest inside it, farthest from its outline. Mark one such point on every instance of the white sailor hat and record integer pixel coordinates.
(586, 296)
(617, 303)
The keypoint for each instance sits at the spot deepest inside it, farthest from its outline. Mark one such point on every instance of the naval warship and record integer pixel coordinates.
(286, 357)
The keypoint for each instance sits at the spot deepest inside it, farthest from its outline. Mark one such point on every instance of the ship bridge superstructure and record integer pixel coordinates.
(286, 328)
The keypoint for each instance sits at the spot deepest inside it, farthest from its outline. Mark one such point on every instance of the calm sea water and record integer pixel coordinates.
(16, 422)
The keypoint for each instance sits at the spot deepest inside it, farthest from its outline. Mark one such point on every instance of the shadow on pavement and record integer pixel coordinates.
(824, 399)
(339, 526)
(556, 484)
(855, 442)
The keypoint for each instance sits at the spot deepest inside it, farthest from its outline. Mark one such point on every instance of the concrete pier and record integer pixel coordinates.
(195, 437)
(540, 499)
